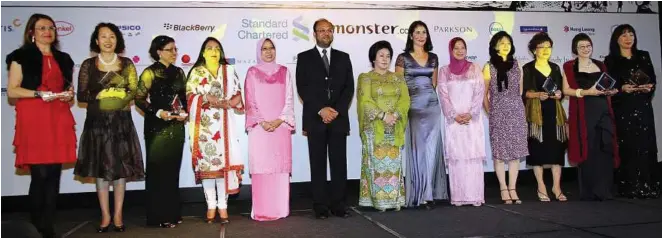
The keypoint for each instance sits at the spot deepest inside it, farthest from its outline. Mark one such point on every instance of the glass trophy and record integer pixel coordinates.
(177, 108)
(550, 86)
(108, 78)
(639, 78)
(605, 82)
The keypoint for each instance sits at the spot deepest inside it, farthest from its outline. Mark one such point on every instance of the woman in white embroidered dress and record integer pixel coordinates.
(214, 96)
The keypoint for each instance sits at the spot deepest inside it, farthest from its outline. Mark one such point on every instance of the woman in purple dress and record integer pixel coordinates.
(425, 178)
(503, 103)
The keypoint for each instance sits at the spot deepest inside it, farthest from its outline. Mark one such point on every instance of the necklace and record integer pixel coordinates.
(104, 62)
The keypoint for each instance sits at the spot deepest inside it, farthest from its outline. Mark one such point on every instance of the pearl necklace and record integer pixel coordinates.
(104, 62)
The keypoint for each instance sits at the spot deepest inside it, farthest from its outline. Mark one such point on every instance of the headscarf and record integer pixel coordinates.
(267, 68)
(458, 67)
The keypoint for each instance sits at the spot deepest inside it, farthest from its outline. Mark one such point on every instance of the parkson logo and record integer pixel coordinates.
(191, 27)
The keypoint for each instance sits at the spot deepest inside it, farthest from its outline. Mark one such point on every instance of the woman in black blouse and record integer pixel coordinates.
(165, 86)
(639, 175)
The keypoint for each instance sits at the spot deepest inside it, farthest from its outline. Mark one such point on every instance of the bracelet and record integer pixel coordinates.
(383, 115)
(578, 93)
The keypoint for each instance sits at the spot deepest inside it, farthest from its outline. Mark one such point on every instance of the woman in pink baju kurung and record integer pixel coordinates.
(269, 123)
(461, 91)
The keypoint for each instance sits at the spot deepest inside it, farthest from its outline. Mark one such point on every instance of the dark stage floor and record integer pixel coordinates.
(616, 218)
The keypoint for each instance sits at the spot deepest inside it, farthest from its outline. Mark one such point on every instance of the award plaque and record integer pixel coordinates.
(550, 86)
(177, 108)
(605, 82)
(639, 78)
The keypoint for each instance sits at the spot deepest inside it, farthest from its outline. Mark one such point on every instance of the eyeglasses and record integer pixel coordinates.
(45, 28)
(544, 47)
(584, 47)
(172, 50)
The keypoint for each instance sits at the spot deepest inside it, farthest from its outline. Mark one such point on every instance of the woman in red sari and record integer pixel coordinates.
(40, 80)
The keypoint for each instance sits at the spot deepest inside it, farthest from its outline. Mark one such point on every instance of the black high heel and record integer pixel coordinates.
(102, 229)
(167, 225)
(121, 228)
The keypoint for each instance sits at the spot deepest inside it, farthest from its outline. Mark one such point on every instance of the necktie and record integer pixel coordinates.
(326, 60)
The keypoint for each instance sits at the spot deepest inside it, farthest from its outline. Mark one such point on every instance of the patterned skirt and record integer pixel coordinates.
(110, 148)
(382, 185)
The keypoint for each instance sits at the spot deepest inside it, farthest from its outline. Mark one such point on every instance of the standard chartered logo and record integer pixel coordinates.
(253, 29)
(188, 27)
(258, 29)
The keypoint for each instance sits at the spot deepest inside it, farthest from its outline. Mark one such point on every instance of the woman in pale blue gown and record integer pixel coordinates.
(425, 177)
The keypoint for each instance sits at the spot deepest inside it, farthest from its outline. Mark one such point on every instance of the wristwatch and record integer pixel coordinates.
(37, 94)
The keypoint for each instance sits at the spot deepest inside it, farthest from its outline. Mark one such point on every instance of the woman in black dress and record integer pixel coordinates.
(592, 143)
(164, 84)
(109, 145)
(639, 175)
(545, 115)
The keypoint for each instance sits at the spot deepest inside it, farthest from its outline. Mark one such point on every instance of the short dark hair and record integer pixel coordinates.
(410, 43)
(320, 21)
(537, 39)
(614, 48)
(579, 37)
(157, 44)
(30, 27)
(377, 46)
(119, 47)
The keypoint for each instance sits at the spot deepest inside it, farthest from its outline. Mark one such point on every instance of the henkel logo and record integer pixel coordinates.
(64, 28)
(299, 30)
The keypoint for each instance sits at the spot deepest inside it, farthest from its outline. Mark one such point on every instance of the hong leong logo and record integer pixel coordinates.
(188, 27)
(532, 29)
(587, 30)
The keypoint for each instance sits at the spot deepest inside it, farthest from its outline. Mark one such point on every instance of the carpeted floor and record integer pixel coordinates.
(615, 218)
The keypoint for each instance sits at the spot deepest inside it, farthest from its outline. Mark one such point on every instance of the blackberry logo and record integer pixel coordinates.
(191, 27)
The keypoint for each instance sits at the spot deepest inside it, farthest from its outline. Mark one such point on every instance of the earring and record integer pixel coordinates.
(32, 39)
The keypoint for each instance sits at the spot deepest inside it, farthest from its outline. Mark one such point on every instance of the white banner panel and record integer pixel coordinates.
(291, 29)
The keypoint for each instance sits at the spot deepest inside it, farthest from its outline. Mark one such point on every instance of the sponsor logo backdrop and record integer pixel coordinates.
(291, 29)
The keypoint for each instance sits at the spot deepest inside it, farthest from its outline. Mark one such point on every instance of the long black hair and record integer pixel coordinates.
(502, 66)
(614, 48)
(201, 59)
(409, 47)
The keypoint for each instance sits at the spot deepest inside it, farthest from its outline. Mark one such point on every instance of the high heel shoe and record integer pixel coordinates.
(514, 198)
(543, 197)
(120, 228)
(211, 219)
(167, 225)
(102, 229)
(560, 196)
(504, 199)
(224, 220)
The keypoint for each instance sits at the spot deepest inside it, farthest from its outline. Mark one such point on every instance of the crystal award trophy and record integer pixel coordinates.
(550, 86)
(605, 82)
(639, 78)
(177, 108)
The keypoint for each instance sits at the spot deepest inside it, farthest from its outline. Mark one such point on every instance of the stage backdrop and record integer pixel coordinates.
(291, 30)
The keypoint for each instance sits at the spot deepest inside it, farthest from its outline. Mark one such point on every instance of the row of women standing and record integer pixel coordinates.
(526, 121)
(41, 79)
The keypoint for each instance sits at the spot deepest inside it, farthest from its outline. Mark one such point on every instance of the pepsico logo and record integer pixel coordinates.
(64, 28)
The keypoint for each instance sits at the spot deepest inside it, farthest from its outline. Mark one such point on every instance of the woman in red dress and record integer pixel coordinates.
(40, 82)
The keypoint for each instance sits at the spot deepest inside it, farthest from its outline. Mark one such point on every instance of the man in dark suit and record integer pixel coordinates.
(325, 82)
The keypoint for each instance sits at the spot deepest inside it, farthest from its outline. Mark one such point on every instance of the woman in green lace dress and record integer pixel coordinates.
(383, 103)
